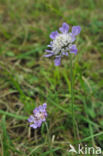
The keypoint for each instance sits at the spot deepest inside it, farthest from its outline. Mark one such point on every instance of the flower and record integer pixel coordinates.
(62, 43)
(39, 116)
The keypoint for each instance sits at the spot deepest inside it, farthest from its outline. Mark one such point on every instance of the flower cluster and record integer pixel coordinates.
(39, 116)
(61, 45)
(62, 42)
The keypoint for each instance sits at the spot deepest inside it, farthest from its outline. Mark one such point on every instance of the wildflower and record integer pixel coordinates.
(39, 116)
(62, 43)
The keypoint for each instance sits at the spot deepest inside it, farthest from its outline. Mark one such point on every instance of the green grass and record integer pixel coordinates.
(27, 79)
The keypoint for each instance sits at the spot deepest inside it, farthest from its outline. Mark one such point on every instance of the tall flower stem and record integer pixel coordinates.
(72, 95)
(49, 142)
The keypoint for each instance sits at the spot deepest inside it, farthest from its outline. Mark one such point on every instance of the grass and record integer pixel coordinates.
(27, 79)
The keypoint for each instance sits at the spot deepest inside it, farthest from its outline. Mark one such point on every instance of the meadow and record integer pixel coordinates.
(27, 79)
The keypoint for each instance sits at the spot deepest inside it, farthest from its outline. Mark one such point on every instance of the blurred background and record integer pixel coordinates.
(27, 79)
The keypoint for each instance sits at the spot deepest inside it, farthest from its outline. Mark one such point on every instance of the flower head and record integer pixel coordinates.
(62, 42)
(39, 116)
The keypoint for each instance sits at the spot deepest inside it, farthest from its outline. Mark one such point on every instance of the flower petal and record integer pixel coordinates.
(31, 118)
(76, 30)
(48, 51)
(72, 37)
(65, 53)
(64, 28)
(53, 35)
(36, 110)
(33, 126)
(44, 105)
(48, 55)
(39, 123)
(49, 45)
(57, 61)
(45, 113)
(73, 49)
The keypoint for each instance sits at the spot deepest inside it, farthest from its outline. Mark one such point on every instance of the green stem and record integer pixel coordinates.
(49, 141)
(72, 95)
(47, 131)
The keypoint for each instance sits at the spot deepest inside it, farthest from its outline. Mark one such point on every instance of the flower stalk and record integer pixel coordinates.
(72, 95)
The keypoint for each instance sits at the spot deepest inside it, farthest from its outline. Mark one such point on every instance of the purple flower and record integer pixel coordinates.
(64, 28)
(76, 30)
(62, 43)
(39, 116)
(57, 61)
(53, 35)
(73, 49)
